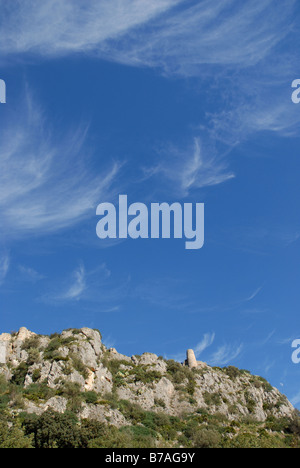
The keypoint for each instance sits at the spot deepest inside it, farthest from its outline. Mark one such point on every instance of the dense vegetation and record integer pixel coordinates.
(148, 430)
(145, 428)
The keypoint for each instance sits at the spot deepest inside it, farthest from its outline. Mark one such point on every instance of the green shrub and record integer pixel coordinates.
(250, 403)
(265, 385)
(52, 430)
(4, 392)
(12, 434)
(232, 372)
(32, 342)
(72, 392)
(36, 375)
(33, 356)
(51, 350)
(19, 374)
(37, 392)
(79, 366)
(141, 374)
(205, 438)
(90, 397)
(178, 374)
(131, 411)
(159, 402)
(212, 399)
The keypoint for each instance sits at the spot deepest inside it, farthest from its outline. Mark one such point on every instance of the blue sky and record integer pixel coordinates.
(164, 101)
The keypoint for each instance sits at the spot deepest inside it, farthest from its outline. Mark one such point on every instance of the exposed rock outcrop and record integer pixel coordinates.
(75, 370)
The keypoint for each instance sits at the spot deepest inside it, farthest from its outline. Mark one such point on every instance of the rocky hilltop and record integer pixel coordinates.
(74, 371)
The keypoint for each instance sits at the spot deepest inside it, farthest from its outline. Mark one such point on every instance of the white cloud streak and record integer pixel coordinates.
(191, 168)
(30, 274)
(45, 184)
(253, 295)
(206, 342)
(296, 399)
(178, 36)
(77, 288)
(233, 43)
(225, 354)
(188, 39)
(94, 289)
(59, 27)
(201, 33)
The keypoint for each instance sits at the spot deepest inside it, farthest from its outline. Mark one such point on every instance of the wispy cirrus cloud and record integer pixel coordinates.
(78, 286)
(45, 183)
(59, 27)
(205, 33)
(94, 288)
(225, 354)
(190, 168)
(205, 343)
(231, 45)
(177, 36)
(30, 274)
(296, 399)
(253, 295)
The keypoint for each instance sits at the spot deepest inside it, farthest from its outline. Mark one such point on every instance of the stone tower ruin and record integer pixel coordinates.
(191, 361)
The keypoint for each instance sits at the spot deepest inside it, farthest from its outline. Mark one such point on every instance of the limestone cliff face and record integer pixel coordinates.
(77, 361)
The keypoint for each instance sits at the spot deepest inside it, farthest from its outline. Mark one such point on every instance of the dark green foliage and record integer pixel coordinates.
(131, 411)
(232, 372)
(31, 343)
(159, 402)
(4, 392)
(19, 374)
(142, 374)
(52, 349)
(179, 374)
(90, 397)
(265, 384)
(212, 399)
(206, 438)
(12, 434)
(36, 375)
(37, 392)
(54, 335)
(79, 366)
(51, 353)
(52, 430)
(251, 404)
(294, 424)
(113, 365)
(71, 391)
(33, 356)
(198, 430)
